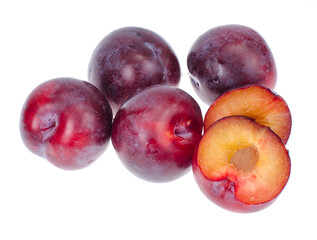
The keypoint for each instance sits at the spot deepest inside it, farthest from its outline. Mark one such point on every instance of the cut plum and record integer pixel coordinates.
(256, 102)
(241, 165)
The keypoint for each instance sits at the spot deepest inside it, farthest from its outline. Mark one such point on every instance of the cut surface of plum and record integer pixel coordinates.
(259, 103)
(248, 157)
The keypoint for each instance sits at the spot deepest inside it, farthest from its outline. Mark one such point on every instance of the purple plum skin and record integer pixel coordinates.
(155, 133)
(130, 59)
(228, 57)
(66, 121)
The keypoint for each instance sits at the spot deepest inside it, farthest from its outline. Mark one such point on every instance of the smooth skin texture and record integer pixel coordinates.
(155, 133)
(67, 121)
(130, 59)
(229, 57)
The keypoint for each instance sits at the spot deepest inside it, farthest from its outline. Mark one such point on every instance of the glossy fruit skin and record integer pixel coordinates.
(130, 59)
(228, 57)
(67, 121)
(155, 133)
(222, 193)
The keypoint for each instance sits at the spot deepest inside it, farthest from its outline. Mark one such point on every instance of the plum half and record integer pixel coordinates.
(228, 57)
(264, 106)
(67, 121)
(155, 133)
(241, 165)
(130, 59)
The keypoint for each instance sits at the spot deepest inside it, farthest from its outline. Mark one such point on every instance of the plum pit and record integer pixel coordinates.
(245, 159)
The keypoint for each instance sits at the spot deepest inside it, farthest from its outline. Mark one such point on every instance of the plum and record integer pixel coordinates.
(261, 104)
(67, 121)
(130, 59)
(228, 57)
(241, 165)
(155, 133)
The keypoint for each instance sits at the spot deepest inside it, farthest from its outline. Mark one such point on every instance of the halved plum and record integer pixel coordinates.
(240, 165)
(257, 102)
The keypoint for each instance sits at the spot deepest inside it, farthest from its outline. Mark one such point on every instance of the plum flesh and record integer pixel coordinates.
(241, 165)
(228, 57)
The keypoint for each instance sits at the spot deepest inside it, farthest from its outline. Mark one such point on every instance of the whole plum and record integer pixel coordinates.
(67, 121)
(228, 57)
(155, 133)
(130, 59)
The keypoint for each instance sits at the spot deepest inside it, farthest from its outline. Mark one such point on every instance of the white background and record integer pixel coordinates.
(42, 40)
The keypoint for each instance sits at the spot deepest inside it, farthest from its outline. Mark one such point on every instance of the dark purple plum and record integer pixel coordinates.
(155, 133)
(130, 59)
(228, 57)
(66, 121)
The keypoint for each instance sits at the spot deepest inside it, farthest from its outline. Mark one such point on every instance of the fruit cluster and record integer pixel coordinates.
(237, 152)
